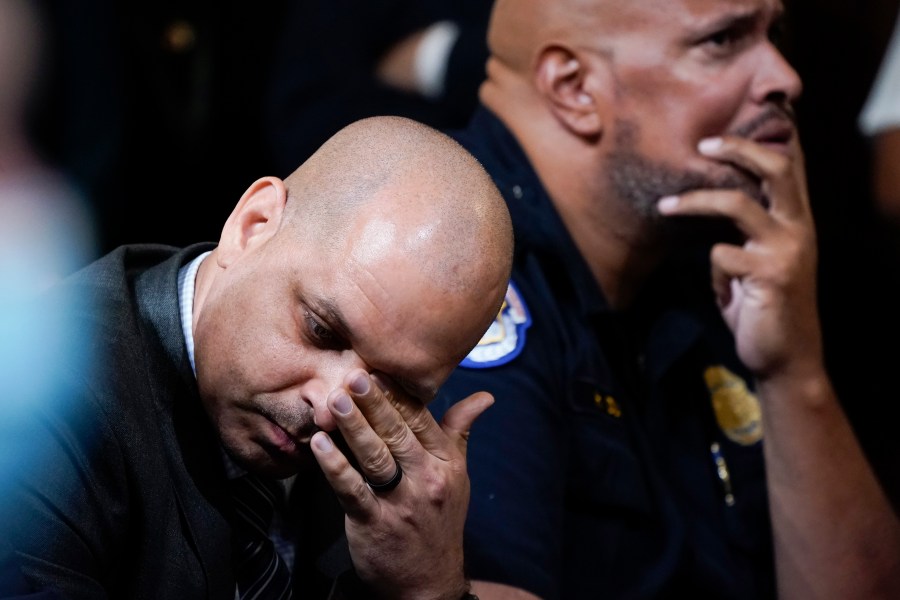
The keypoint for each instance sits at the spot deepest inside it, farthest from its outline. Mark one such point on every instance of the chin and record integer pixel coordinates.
(269, 461)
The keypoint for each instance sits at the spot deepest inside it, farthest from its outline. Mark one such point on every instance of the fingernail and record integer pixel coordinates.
(360, 383)
(343, 404)
(323, 443)
(667, 203)
(709, 145)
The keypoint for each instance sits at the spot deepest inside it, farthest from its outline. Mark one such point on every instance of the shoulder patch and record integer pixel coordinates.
(505, 338)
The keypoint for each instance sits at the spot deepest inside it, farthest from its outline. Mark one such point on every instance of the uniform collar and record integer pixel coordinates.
(672, 310)
(538, 227)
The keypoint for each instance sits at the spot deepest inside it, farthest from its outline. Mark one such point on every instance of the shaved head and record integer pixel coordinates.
(393, 173)
(519, 29)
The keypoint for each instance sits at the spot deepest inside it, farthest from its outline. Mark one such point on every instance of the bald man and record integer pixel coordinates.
(299, 351)
(664, 425)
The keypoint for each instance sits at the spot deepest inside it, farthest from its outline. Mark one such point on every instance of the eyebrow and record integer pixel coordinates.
(731, 21)
(330, 312)
(742, 20)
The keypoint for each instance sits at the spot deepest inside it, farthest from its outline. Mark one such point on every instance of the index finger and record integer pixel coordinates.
(392, 413)
(781, 170)
(454, 427)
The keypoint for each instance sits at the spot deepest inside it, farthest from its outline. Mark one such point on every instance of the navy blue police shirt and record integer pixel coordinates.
(622, 457)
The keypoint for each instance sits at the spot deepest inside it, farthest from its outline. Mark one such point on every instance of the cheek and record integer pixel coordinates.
(718, 111)
(238, 357)
(686, 103)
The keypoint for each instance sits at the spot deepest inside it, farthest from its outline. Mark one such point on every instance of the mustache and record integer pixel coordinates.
(772, 113)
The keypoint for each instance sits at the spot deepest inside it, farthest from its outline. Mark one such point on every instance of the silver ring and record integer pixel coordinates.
(387, 485)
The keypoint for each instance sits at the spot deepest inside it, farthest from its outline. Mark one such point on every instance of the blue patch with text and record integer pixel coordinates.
(505, 338)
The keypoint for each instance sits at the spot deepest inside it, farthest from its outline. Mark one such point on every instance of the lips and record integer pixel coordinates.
(778, 132)
(297, 437)
(774, 128)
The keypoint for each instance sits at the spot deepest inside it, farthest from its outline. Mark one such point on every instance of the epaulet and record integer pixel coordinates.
(505, 338)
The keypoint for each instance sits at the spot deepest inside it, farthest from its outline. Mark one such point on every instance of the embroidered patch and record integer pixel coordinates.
(737, 409)
(505, 338)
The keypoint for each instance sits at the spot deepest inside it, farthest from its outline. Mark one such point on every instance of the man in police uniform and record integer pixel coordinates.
(653, 437)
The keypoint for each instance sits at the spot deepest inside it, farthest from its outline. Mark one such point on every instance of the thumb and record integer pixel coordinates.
(458, 419)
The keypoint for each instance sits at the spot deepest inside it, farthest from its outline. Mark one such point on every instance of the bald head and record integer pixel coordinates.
(520, 29)
(391, 174)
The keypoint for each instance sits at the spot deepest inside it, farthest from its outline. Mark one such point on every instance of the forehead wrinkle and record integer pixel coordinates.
(746, 19)
(735, 10)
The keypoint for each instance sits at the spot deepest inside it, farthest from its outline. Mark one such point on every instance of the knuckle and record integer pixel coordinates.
(359, 489)
(380, 462)
(395, 433)
(439, 486)
(420, 421)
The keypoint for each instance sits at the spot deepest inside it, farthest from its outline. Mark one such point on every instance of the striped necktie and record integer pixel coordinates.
(260, 572)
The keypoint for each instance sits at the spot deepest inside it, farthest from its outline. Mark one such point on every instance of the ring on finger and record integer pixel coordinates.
(394, 481)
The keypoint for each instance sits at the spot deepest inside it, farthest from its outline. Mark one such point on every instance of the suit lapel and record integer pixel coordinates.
(192, 447)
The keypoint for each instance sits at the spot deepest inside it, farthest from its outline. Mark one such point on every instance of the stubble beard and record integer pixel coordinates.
(245, 450)
(641, 183)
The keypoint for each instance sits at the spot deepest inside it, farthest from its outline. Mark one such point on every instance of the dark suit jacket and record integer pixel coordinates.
(124, 492)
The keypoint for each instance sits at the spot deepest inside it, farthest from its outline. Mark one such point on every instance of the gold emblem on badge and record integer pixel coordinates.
(737, 409)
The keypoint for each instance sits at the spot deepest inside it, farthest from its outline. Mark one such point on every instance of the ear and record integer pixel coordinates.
(561, 78)
(254, 220)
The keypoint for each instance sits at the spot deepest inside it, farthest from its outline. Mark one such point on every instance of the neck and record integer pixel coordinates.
(206, 272)
(618, 256)
(618, 245)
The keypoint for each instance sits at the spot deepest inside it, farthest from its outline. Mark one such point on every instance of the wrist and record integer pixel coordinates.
(348, 586)
(801, 385)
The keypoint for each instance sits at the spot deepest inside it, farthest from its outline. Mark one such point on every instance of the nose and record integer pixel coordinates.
(776, 79)
(328, 375)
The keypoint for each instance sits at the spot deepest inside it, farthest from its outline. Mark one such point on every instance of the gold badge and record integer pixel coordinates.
(737, 409)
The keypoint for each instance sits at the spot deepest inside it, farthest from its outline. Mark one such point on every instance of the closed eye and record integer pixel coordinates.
(320, 334)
